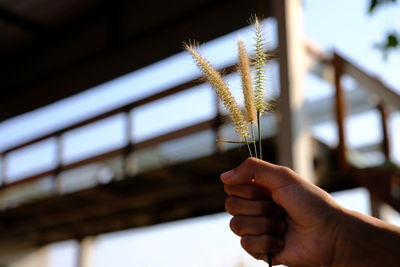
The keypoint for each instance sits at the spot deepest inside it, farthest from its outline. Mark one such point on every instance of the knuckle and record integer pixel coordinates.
(247, 244)
(235, 225)
(227, 189)
(250, 162)
(285, 170)
(229, 205)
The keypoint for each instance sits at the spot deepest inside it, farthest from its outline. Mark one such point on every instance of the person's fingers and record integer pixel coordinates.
(240, 206)
(261, 244)
(260, 256)
(248, 191)
(263, 173)
(249, 225)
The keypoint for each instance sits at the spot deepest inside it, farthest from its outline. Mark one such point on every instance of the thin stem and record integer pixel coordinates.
(234, 142)
(269, 258)
(248, 146)
(254, 138)
(259, 134)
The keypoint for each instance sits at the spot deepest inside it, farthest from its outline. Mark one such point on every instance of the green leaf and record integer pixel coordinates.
(392, 41)
(372, 6)
(376, 3)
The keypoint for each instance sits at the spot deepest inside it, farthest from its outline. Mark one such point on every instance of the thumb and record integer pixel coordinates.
(264, 174)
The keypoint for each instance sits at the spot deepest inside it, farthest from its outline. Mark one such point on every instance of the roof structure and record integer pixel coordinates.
(54, 49)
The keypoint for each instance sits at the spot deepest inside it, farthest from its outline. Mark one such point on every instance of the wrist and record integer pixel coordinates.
(365, 241)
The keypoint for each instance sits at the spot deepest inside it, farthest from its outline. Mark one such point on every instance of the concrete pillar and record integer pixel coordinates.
(294, 142)
(85, 252)
(13, 254)
(376, 206)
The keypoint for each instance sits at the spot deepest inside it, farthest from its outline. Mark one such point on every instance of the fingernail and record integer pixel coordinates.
(227, 175)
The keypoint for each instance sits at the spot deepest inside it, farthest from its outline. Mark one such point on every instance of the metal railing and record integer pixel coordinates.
(332, 69)
(336, 63)
(130, 146)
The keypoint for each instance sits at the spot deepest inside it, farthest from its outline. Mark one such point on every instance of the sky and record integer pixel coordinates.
(340, 25)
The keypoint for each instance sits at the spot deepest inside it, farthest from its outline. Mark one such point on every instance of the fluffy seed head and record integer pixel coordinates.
(260, 61)
(222, 90)
(245, 73)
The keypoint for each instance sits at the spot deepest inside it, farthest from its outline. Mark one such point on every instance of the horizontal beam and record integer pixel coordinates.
(321, 65)
(22, 22)
(122, 109)
(373, 85)
(87, 56)
(192, 129)
(318, 111)
(161, 195)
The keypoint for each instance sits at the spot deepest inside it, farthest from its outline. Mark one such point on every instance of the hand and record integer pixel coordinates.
(275, 210)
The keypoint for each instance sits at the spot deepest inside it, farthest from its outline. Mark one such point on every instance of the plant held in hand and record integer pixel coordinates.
(253, 91)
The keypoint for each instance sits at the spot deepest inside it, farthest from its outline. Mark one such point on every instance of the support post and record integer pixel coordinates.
(384, 115)
(3, 181)
(85, 251)
(59, 152)
(128, 169)
(294, 142)
(3, 173)
(340, 112)
(376, 204)
(21, 254)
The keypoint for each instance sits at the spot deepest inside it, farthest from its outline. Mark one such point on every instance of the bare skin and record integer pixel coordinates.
(275, 210)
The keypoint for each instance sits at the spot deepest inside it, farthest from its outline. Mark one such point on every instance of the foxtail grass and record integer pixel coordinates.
(244, 70)
(222, 90)
(247, 86)
(260, 61)
(253, 91)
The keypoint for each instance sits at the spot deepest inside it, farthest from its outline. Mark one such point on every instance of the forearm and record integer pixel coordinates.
(366, 241)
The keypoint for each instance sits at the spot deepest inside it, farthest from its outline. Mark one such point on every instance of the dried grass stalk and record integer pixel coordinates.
(245, 73)
(222, 90)
(260, 61)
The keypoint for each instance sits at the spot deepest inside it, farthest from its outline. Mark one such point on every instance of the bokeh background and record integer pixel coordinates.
(348, 28)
